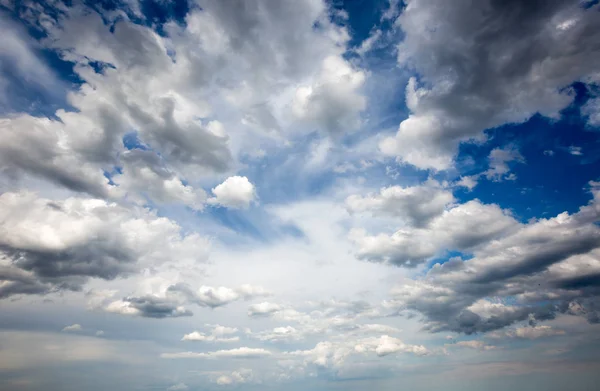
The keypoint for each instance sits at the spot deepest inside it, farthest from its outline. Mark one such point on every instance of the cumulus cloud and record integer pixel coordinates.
(548, 265)
(73, 327)
(499, 159)
(491, 82)
(417, 204)
(263, 309)
(79, 238)
(149, 307)
(217, 333)
(235, 192)
(334, 354)
(241, 376)
(332, 101)
(464, 227)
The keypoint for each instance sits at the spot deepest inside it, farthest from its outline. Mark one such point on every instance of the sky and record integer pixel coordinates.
(299, 195)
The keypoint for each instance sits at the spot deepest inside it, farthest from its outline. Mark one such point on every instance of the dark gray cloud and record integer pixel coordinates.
(534, 273)
(48, 245)
(155, 307)
(482, 64)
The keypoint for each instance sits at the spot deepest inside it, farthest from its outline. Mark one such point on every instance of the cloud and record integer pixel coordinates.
(499, 159)
(148, 307)
(241, 353)
(79, 238)
(235, 192)
(474, 344)
(334, 354)
(218, 333)
(533, 332)
(207, 296)
(263, 309)
(547, 265)
(144, 174)
(240, 376)
(418, 205)
(460, 228)
(332, 101)
(73, 327)
(490, 83)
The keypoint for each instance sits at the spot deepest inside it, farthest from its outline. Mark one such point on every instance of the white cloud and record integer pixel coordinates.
(474, 344)
(73, 327)
(460, 228)
(218, 333)
(499, 159)
(458, 97)
(78, 238)
(417, 204)
(235, 192)
(240, 376)
(262, 309)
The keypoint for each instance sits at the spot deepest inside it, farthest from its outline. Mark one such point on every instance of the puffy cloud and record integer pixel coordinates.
(263, 309)
(235, 192)
(148, 307)
(417, 204)
(333, 354)
(240, 376)
(471, 79)
(549, 266)
(201, 337)
(386, 345)
(242, 353)
(461, 228)
(218, 333)
(51, 245)
(144, 174)
(73, 327)
(499, 159)
(332, 101)
(207, 296)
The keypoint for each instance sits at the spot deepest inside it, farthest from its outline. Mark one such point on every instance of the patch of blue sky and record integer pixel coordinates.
(247, 226)
(131, 141)
(561, 157)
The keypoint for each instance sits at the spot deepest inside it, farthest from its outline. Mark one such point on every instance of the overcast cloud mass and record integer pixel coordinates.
(299, 195)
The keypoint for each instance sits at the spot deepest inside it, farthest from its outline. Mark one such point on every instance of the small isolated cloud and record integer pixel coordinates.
(217, 333)
(549, 152)
(240, 376)
(576, 151)
(473, 344)
(499, 158)
(73, 327)
(236, 192)
(99, 333)
(468, 182)
(263, 309)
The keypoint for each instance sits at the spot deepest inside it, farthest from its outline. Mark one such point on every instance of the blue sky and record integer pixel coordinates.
(311, 194)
